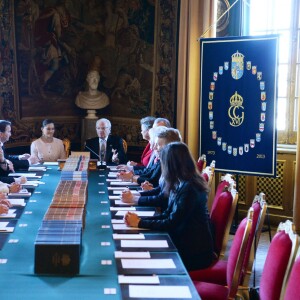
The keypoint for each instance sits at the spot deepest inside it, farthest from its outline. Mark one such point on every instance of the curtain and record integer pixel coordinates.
(196, 16)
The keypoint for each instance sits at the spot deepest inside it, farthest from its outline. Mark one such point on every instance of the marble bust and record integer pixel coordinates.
(92, 98)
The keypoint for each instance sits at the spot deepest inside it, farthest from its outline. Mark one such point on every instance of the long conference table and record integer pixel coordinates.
(103, 261)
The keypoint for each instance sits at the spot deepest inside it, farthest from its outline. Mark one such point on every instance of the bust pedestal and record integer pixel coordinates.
(91, 114)
(88, 128)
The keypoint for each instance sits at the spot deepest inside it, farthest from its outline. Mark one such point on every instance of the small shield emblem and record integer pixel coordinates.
(258, 137)
(229, 149)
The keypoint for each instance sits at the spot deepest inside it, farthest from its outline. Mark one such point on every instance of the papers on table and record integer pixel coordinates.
(29, 184)
(115, 188)
(17, 202)
(113, 197)
(114, 180)
(139, 213)
(122, 208)
(144, 244)
(23, 194)
(123, 279)
(50, 163)
(118, 236)
(120, 202)
(117, 221)
(120, 190)
(36, 168)
(27, 175)
(165, 263)
(124, 183)
(159, 291)
(3, 227)
(125, 227)
(140, 254)
(112, 175)
(10, 215)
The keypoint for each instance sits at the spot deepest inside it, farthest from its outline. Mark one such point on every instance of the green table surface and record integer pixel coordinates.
(17, 277)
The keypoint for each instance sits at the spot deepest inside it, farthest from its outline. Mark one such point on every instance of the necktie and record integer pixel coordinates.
(102, 149)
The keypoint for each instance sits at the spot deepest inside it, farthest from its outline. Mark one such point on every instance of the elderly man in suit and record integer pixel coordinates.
(106, 147)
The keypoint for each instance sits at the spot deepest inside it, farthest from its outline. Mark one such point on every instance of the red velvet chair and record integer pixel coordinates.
(209, 172)
(221, 216)
(201, 163)
(226, 180)
(217, 272)
(212, 291)
(279, 260)
(292, 287)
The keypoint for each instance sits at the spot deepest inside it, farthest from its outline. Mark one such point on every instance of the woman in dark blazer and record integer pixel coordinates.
(186, 219)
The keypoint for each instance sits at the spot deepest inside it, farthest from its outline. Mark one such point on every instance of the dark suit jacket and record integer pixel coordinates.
(113, 142)
(187, 221)
(151, 174)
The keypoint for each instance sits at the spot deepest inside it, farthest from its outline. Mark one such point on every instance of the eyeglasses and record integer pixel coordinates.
(102, 128)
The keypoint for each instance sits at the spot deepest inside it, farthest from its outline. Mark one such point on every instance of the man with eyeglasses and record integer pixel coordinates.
(107, 148)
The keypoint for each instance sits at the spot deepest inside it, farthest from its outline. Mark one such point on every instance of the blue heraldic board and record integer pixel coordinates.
(238, 104)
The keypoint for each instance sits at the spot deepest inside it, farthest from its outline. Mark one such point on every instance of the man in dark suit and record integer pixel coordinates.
(10, 163)
(106, 147)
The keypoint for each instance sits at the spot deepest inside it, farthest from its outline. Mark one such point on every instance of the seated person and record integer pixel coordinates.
(106, 147)
(146, 124)
(47, 147)
(10, 163)
(187, 216)
(153, 198)
(163, 136)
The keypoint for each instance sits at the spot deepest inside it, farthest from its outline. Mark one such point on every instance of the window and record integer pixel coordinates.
(283, 18)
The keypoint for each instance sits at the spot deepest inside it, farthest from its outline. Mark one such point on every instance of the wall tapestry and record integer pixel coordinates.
(49, 47)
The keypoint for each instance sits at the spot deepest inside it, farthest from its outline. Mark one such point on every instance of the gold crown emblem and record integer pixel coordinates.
(236, 100)
(237, 56)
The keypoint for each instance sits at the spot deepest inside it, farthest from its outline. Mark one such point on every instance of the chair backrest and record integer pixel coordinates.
(236, 254)
(221, 216)
(67, 145)
(125, 146)
(292, 287)
(259, 206)
(280, 257)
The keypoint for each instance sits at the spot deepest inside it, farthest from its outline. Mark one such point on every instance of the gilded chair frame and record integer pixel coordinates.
(235, 197)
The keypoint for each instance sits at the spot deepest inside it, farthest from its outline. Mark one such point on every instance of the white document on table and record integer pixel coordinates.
(118, 236)
(159, 291)
(114, 197)
(144, 244)
(37, 168)
(120, 202)
(164, 263)
(11, 214)
(122, 208)
(50, 163)
(139, 254)
(112, 175)
(116, 188)
(125, 227)
(119, 191)
(152, 279)
(123, 183)
(114, 180)
(28, 175)
(138, 212)
(117, 221)
(17, 202)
